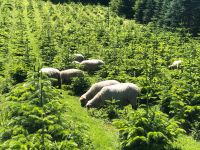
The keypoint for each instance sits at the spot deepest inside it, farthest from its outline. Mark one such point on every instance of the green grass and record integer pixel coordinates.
(104, 136)
(187, 143)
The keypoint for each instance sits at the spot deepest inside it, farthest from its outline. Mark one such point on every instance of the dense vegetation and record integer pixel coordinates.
(34, 34)
(165, 13)
(34, 120)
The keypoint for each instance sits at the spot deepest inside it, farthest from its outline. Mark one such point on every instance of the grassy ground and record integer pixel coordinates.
(104, 136)
(187, 143)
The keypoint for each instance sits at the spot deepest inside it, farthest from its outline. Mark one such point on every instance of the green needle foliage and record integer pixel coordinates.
(146, 130)
(35, 120)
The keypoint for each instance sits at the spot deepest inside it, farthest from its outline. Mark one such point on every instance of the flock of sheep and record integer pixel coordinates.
(65, 76)
(126, 93)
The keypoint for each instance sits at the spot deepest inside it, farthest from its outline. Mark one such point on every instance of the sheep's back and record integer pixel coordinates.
(95, 88)
(91, 65)
(67, 75)
(51, 72)
(123, 92)
(78, 57)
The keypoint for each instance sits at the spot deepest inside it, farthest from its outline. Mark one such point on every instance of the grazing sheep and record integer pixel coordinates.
(75, 62)
(67, 75)
(52, 73)
(126, 93)
(91, 65)
(94, 89)
(175, 64)
(78, 57)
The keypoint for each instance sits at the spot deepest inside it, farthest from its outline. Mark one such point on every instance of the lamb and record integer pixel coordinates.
(126, 93)
(91, 65)
(175, 64)
(52, 73)
(94, 89)
(78, 57)
(67, 75)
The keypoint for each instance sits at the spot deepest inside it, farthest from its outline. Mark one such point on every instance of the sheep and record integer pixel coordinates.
(126, 93)
(75, 62)
(52, 73)
(91, 65)
(94, 89)
(67, 75)
(175, 64)
(78, 57)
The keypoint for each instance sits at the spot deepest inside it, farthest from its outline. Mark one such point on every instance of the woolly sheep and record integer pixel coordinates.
(67, 75)
(52, 73)
(91, 65)
(175, 64)
(78, 57)
(94, 89)
(126, 93)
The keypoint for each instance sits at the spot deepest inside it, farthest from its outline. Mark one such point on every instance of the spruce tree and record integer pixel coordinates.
(139, 10)
(123, 7)
(181, 13)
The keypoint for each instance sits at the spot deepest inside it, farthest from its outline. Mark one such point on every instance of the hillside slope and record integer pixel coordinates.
(104, 136)
(37, 33)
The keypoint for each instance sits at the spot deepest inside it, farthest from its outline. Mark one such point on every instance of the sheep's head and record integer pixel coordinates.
(83, 100)
(170, 66)
(88, 105)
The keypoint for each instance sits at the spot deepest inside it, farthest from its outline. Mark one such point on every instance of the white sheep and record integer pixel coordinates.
(91, 65)
(78, 57)
(175, 64)
(75, 62)
(67, 75)
(52, 73)
(126, 93)
(94, 89)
